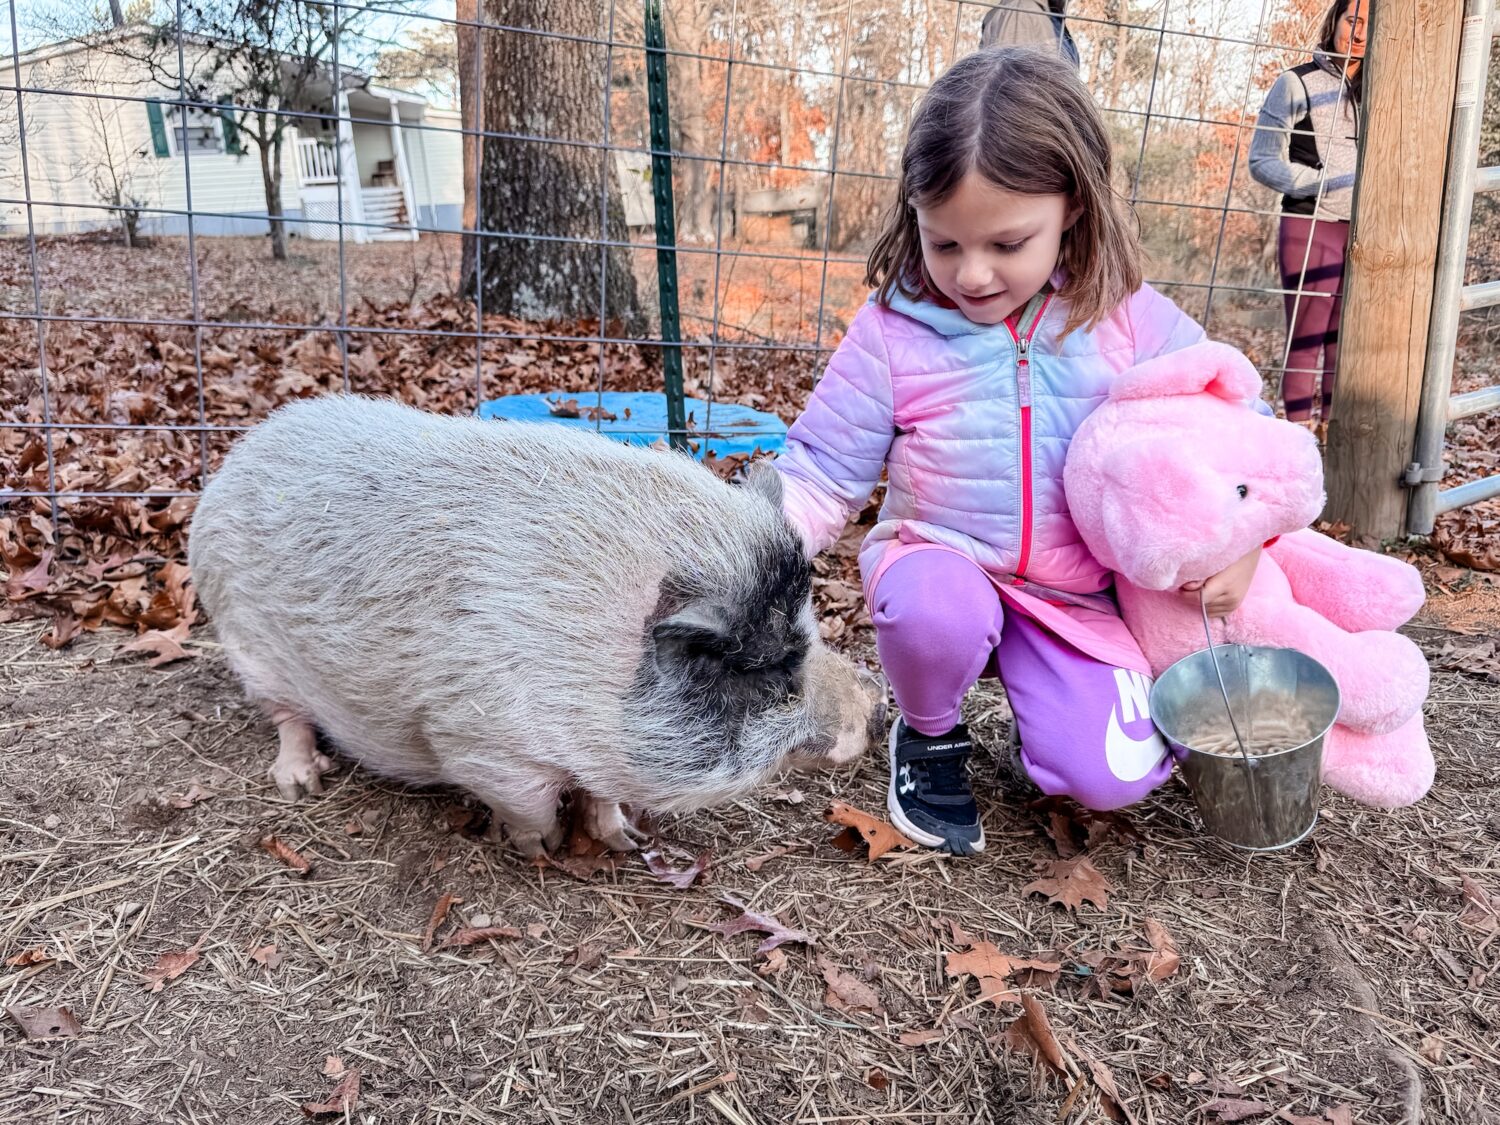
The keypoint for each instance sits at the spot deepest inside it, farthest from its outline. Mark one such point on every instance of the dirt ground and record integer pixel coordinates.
(1352, 971)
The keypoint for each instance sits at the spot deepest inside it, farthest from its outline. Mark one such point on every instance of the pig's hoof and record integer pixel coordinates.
(532, 843)
(295, 775)
(606, 822)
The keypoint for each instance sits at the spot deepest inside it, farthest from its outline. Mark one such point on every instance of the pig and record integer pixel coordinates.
(519, 609)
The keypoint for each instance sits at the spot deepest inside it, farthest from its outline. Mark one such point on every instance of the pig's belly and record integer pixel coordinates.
(376, 729)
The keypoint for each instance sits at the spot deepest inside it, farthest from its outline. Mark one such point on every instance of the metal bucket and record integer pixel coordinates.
(1271, 800)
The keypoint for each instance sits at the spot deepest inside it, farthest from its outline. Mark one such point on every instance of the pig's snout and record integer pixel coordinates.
(849, 708)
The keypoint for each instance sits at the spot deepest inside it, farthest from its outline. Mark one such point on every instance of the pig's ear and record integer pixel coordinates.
(762, 478)
(699, 630)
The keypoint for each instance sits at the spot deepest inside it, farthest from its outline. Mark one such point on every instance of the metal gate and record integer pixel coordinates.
(1451, 297)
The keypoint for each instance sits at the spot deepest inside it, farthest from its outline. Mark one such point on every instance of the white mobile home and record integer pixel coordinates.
(101, 133)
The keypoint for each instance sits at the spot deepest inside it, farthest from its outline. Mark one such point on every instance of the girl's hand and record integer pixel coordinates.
(1223, 593)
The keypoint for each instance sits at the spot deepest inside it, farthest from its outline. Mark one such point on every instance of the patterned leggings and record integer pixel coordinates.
(1314, 303)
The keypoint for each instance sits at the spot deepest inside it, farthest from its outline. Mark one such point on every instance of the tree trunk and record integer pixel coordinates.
(687, 31)
(552, 88)
(270, 176)
(471, 119)
(866, 143)
(116, 16)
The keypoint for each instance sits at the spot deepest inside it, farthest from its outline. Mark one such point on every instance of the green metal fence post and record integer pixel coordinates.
(666, 225)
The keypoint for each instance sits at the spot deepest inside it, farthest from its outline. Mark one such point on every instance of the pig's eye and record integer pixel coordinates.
(1243, 490)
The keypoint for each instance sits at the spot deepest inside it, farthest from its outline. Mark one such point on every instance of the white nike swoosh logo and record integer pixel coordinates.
(1131, 759)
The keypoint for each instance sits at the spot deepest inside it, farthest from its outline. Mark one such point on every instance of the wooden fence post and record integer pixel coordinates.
(1411, 67)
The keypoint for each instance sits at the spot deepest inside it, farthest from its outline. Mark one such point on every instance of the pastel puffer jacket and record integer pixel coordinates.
(972, 424)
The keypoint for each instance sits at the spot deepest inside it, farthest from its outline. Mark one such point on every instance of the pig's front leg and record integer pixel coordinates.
(299, 767)
(607, 822)
(529, 817)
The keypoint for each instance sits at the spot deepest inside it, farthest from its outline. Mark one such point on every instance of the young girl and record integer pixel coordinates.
(1007, 298)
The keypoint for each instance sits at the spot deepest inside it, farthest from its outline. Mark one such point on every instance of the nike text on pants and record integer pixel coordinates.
(1085, 729)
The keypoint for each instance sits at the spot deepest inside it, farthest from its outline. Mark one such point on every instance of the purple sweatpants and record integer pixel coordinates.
(1311, 252)
(1084, 725)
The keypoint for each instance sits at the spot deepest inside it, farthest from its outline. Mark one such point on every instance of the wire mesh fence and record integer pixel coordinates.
(214, 207)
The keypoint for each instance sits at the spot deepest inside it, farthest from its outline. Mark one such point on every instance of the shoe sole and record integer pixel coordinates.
(898, 817)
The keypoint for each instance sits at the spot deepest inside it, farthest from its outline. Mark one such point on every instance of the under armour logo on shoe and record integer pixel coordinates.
(907, 784)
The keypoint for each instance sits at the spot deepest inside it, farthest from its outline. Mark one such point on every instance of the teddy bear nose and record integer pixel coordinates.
(1243, 490)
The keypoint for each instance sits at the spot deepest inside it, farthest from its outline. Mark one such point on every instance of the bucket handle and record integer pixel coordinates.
(1228, 708)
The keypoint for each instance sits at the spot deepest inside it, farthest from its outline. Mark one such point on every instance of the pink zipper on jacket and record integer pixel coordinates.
(1030, 319)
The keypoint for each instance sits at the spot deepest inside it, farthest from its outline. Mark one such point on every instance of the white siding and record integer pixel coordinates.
(372, 144)
(73, 139)
(436, 156)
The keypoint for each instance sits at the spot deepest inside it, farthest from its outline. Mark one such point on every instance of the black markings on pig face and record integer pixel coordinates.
(732, 651)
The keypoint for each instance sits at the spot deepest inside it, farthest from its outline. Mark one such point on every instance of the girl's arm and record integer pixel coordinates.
(1158, 326)
(836, 449)
(1285, 105)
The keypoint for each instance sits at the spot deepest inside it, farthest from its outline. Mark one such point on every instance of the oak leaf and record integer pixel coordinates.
(878, 834)
(45, 1023)
(1071, 883)
(749, 920)
(993, 969)
(170, 966)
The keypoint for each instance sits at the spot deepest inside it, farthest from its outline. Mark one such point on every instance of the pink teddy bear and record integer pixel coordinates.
(1175, 477)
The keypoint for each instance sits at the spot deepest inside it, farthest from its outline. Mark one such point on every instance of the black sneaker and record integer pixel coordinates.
(929, 797)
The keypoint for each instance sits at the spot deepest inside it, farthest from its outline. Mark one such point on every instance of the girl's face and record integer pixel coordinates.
(1349, 33)
(989, 250)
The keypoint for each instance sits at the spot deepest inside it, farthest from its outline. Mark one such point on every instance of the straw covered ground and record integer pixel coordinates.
(1351, 979)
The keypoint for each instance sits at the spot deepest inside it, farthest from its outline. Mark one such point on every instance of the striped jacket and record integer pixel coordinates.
(1306, 140)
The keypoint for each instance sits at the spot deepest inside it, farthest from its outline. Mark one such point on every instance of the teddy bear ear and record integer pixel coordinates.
(1210, 367)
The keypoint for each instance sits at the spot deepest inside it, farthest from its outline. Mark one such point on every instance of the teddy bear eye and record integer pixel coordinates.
(1242, 490)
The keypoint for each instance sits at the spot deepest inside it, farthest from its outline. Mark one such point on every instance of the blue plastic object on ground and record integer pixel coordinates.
(640, 418)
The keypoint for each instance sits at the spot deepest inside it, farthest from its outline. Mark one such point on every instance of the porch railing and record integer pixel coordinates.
(315, 161)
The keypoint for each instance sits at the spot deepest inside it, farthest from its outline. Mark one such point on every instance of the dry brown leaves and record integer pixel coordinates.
(163, 647)
(1478, 657)
(29, 957)
(683, 879)
(342, 1099)
(1070, 883)
(287, 854)
(45, 1023)
(439, 913)
(755, 863)
(1129, 967)
(996, 971)
(583, 858)
(267, 955)
(878, 834)
(103, 563)
(1031, 1034)
(472, 935)
(1074, 829)
(1227, 1110)
(170, 966)
(847, 992)
(751, 921)
(195, 794)
(1481, 912)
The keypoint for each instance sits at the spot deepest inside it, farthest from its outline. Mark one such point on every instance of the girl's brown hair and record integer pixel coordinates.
(1025, 122)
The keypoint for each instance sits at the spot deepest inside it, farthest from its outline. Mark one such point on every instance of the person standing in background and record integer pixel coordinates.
(1029, 23)
(1306, 146)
